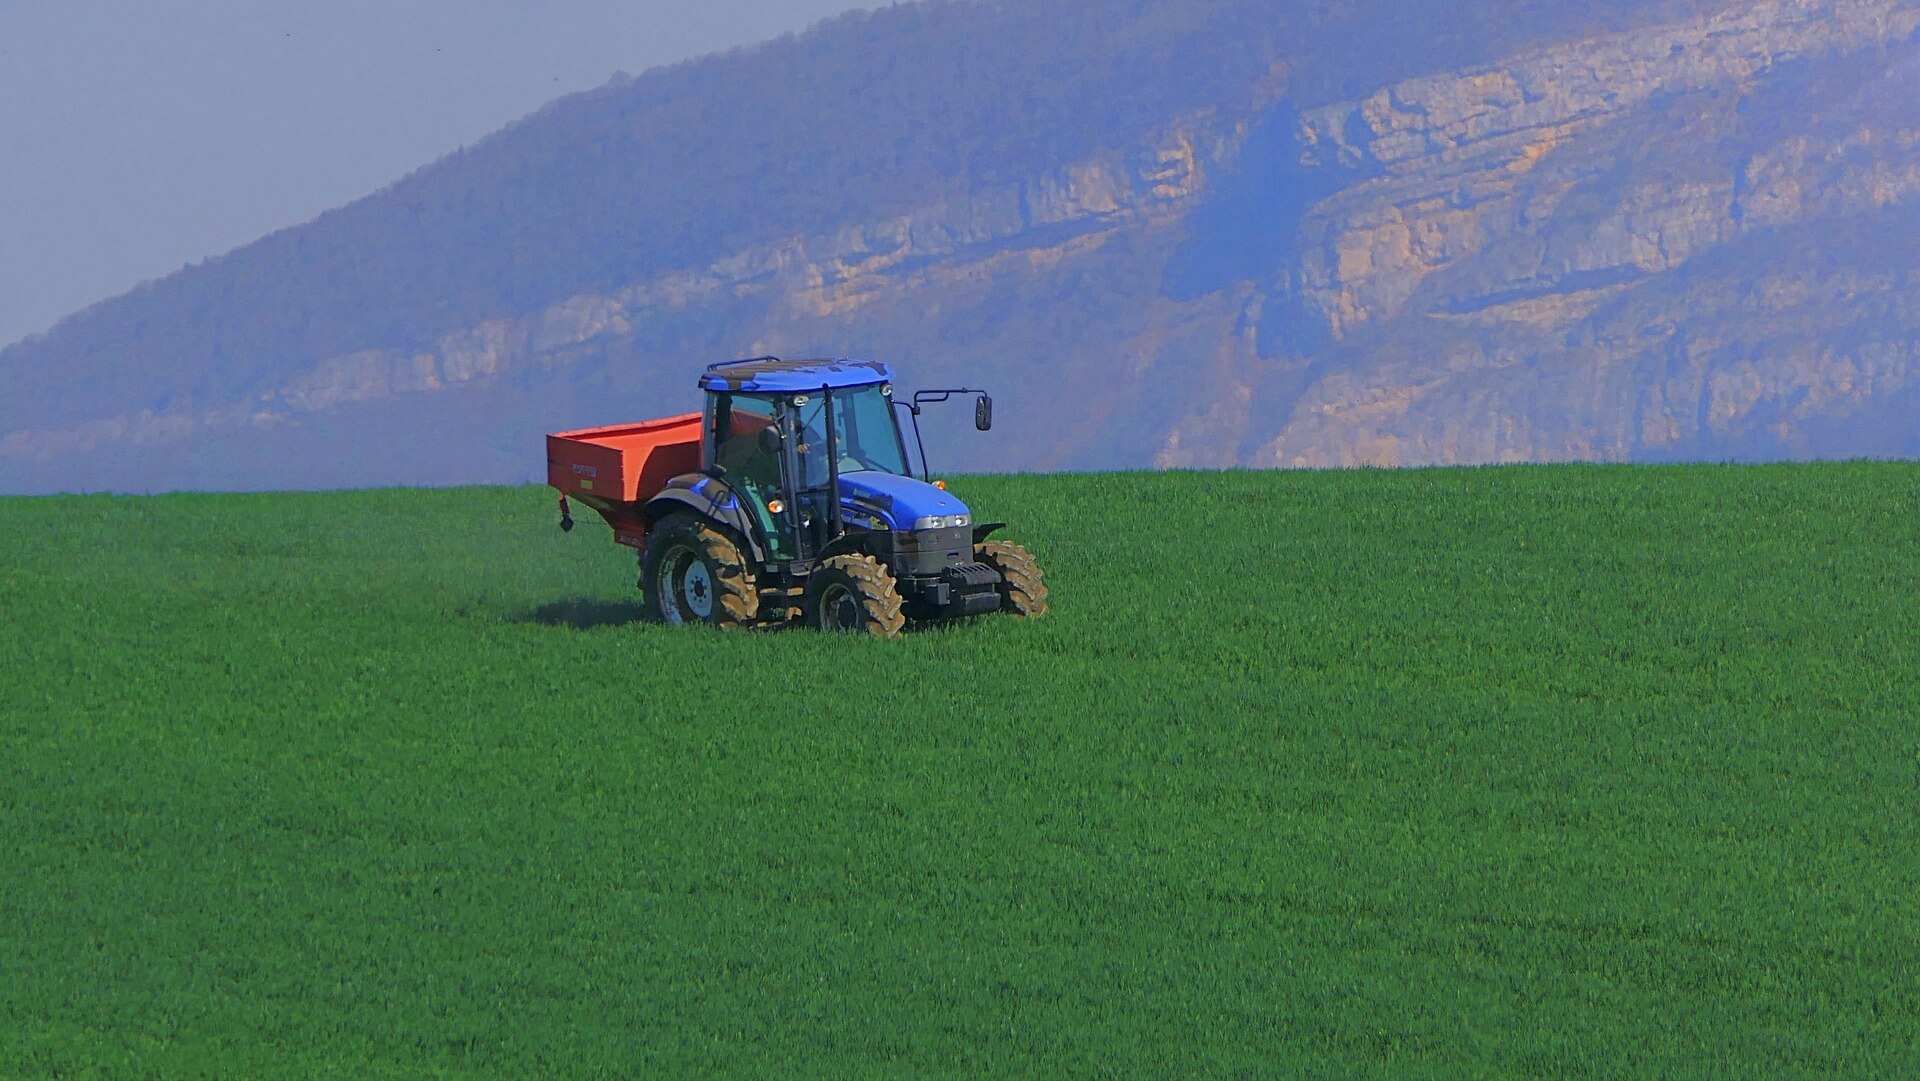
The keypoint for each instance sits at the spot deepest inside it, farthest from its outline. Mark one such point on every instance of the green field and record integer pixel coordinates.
(1571, 771)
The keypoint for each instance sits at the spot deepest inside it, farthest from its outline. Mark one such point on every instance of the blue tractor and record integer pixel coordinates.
(805, 508)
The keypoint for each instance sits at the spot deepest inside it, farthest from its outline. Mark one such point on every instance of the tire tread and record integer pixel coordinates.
(1023, 590)
(736, 595)
(879, 599)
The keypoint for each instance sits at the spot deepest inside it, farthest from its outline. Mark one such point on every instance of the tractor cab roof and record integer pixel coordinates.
(771, 375)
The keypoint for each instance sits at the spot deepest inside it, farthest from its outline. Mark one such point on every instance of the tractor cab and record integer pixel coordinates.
(814, 450)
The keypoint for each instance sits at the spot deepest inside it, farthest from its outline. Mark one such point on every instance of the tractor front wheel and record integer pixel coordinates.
(854, 594)
(694, 573)
(1023, 591)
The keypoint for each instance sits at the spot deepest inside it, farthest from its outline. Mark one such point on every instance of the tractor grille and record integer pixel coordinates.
(928, 551)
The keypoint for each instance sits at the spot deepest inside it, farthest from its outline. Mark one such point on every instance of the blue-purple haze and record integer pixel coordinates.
(135, 137)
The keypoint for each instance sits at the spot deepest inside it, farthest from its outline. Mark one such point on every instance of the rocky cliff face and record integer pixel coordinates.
(1642, 246)
(1691, 239)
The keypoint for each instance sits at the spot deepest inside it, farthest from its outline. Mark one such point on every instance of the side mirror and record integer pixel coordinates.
(769, 440)
(983, 413)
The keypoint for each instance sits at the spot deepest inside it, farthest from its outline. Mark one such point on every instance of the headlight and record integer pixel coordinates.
(937, 521)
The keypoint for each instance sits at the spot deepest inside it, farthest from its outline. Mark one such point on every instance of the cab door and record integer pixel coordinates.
(754, 464)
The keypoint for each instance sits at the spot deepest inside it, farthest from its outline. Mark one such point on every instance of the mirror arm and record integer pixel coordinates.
(926, 473)
(928, 397)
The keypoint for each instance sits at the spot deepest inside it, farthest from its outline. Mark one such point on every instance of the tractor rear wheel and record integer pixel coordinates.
(1023, 590)
(694, 573)
(854, 594)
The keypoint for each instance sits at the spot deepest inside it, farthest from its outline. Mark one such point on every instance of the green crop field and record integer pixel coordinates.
(1529, 772)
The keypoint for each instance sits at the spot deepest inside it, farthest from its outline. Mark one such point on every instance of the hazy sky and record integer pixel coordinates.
(137, 136)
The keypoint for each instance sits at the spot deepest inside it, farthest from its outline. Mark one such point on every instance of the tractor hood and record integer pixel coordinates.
(895, 501)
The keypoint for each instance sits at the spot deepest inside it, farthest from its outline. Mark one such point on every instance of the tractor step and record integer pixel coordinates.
(780, 604)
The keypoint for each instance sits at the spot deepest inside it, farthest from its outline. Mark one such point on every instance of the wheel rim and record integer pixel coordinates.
(677, 573)
(839, 609)
(696, 586)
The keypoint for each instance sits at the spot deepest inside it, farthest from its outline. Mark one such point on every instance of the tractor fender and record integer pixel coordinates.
(710, 499)
(988, 529)
(861, 542)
